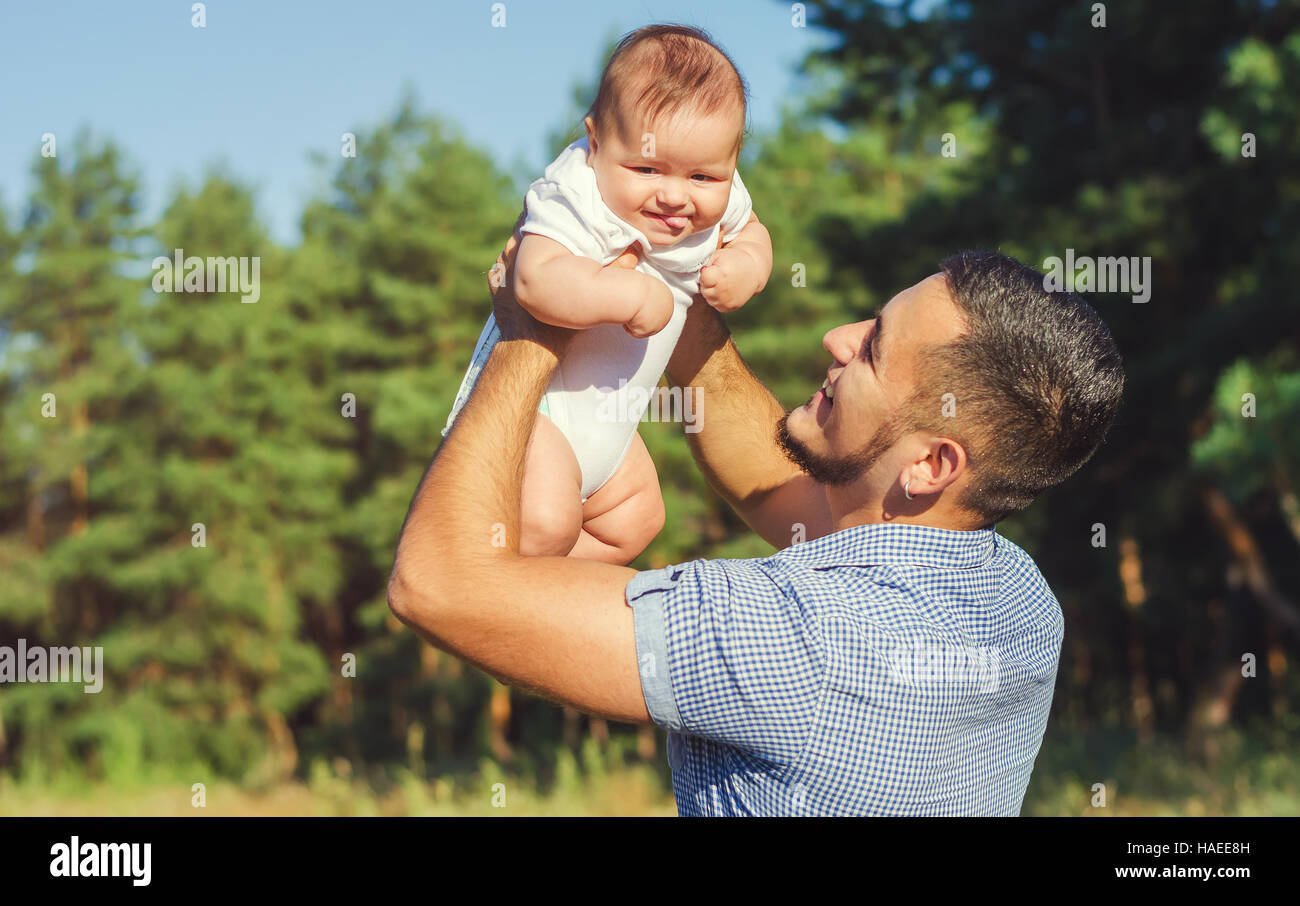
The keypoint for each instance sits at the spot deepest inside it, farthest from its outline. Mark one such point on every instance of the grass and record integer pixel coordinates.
(589, 790)
(1152, 780)
(1159, 779)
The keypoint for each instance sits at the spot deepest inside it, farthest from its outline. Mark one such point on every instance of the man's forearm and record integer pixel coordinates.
(554, 626)
(469, 497)
(736, 446)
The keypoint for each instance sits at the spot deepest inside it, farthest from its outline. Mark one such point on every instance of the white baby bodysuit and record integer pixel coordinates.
(604, 382)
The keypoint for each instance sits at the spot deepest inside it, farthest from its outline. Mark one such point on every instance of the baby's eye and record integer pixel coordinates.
(644, 169)
(704, 177)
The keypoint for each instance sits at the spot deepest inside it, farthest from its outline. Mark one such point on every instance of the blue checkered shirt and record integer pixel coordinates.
(885, 669)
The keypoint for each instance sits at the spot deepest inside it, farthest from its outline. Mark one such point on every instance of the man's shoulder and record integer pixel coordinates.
(797, 582)
(895, 568)
(1027, 585)
(913, 572)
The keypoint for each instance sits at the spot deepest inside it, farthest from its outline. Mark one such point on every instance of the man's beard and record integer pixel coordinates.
(838, 471)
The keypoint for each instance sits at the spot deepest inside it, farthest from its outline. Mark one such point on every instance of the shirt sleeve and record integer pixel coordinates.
(551, 212)
(725, 655)
(739, 209)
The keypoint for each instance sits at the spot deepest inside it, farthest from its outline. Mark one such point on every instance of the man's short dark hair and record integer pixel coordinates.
(1036, 380)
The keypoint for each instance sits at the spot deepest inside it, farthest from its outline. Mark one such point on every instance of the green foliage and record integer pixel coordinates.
(224, 661)
(1250, 450)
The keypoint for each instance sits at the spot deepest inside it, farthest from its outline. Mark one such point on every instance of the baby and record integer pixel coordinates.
(656, 172)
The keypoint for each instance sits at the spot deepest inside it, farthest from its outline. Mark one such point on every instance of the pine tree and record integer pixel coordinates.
(390, 286)
(71, 380)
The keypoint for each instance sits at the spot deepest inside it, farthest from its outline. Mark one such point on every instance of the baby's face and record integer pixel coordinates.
(675, 180)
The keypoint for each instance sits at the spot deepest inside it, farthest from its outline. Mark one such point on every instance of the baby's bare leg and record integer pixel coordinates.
(625, 514)
(550, 518)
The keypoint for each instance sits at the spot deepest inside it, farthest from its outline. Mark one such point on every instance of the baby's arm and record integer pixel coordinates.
(558, 287)
(739, 270)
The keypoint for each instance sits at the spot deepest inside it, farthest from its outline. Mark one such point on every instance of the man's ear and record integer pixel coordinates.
(590, 126)
(950, 461)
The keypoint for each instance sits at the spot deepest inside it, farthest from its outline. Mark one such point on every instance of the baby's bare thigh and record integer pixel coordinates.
(551, 495)
(636, 476)
(627, 512)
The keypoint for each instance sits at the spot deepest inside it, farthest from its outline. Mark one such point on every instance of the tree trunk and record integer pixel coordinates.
(79, 480)
(282, 745)
(35, 515)
(1212, 710)
(499, 715)
(1135, 595)
(572, 728)
(1245, 551)
(600, 730)
(1276, 672)
(646, 744)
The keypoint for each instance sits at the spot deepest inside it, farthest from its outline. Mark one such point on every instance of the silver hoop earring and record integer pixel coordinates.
(905, 489)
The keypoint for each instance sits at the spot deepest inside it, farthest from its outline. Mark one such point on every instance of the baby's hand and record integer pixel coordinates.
(729, 279)
(655, 311)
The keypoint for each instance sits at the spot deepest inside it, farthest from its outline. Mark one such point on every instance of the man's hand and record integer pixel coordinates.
(513, 321)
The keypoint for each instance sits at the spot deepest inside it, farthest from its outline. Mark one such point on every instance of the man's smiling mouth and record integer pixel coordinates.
(824, 394)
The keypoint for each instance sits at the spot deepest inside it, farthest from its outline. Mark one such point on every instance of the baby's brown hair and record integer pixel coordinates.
(668, 68)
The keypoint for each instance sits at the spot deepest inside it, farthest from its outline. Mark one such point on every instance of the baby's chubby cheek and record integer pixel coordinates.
(618, 195)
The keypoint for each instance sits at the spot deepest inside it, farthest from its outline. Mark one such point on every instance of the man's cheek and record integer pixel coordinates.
(856, 414)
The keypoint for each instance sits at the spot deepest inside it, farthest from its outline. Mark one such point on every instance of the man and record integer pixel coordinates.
(899, 661)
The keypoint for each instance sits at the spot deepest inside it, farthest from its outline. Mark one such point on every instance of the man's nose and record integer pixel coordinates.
(843, 342)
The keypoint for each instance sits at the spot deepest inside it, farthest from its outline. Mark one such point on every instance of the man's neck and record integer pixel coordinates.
(848, 508)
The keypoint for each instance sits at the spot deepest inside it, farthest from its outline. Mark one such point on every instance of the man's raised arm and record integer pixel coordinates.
(556, 626)
(736, 446)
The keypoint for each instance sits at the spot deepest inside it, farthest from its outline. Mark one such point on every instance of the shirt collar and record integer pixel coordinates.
(903, 544)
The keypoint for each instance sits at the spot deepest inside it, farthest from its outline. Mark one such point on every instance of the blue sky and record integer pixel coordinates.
(267, 82)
